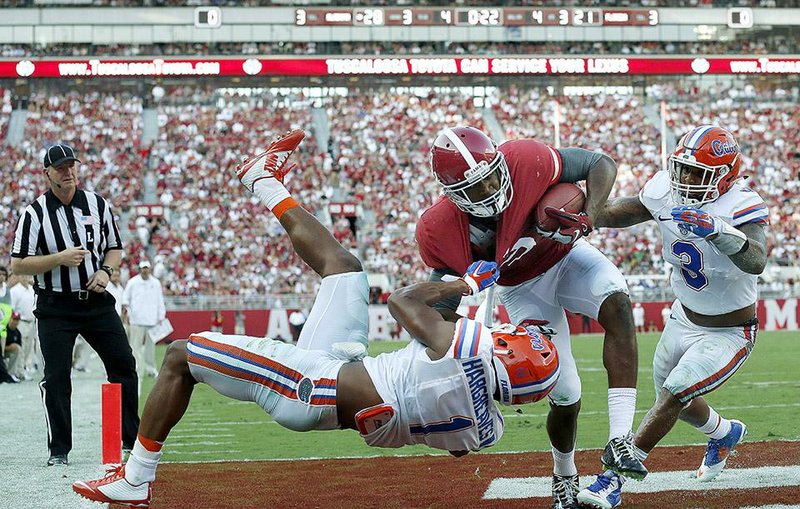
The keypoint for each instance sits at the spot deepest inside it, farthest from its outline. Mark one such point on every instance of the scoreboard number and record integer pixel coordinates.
(207, 17)
(740, 17)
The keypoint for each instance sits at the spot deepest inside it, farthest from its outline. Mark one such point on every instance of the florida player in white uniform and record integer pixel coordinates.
(713, 229)
(439, 390)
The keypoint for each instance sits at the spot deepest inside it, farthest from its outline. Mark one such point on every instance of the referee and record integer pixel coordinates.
(68, 240)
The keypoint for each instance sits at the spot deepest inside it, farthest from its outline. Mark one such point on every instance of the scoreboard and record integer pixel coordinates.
(475, 16)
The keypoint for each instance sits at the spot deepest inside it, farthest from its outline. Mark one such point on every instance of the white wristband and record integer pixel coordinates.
(473, 286)
(729, 240)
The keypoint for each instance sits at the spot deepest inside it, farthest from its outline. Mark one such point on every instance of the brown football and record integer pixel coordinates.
(565, 196)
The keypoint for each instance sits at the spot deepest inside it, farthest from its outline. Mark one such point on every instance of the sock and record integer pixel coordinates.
(142, 463)
(270, 192)
(621, 407)
(716, 427)
(564, 463)
(283, 206)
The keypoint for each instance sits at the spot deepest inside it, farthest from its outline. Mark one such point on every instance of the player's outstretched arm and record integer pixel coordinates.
(599, 181)
(622, 213)
(413, 309)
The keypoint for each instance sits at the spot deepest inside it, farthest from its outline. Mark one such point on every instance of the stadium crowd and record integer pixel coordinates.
(215, 239)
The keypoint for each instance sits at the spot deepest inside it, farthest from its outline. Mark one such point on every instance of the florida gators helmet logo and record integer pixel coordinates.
(526, 363)
(704, 165)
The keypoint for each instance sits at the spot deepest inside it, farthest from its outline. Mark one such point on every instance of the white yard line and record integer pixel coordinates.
(734, 478)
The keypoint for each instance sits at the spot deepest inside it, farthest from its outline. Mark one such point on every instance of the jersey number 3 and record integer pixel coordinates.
(691, 264)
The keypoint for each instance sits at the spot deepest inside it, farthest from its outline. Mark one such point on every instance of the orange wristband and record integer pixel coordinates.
(283, 206)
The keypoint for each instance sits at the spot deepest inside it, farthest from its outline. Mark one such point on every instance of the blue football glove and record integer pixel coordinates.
(696, 221)
(480, 275)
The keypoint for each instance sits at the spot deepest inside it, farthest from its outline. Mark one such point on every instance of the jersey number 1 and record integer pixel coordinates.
(691, 264)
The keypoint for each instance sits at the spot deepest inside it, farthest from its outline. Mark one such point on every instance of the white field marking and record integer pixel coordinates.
(510, 415)
(229, 451)
(733, 478)
(768, 384)
(179, 436)
(779, 506)
(178, 444)
(681, 447)
(601, 412)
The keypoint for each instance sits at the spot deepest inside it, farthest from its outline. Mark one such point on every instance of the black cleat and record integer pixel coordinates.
(620, 456)
(565, 491)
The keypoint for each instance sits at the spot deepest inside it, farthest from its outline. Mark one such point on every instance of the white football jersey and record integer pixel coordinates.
(447, 403)
(703, 279)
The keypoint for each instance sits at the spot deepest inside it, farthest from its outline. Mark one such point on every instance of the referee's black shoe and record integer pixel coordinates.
(57, 460)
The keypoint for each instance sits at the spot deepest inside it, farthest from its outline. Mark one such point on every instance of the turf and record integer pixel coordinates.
(763, 394)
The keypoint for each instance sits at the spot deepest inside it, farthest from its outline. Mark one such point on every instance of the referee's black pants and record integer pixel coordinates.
(60, 321)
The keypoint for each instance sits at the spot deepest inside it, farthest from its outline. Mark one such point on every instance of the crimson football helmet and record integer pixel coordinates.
(526, 362)
(461, 158)
(713, 150)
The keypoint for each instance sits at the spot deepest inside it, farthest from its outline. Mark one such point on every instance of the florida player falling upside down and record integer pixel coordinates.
(713, 230)
(490, 195)
(437, 391)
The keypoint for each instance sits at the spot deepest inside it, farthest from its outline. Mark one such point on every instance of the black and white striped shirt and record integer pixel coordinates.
(47, 226)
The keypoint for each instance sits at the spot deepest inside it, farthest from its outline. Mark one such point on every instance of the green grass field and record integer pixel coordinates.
(765, 394)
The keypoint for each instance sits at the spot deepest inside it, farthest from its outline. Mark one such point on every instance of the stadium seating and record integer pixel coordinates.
(217, 240)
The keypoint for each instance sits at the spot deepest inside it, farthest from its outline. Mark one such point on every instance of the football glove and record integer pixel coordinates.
(480, 275)
(539, 326)
(726, 238)
(573, 226)
(696, 221)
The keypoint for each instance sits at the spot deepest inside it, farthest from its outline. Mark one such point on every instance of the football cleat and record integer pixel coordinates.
(605, 492)
(271, 162)
(620, 456)
(718, 452)
(565, 488)
(115, 489)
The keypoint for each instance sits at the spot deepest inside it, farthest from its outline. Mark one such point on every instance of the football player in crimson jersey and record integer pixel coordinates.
(438, 391)
(714, 236)
(490, 196)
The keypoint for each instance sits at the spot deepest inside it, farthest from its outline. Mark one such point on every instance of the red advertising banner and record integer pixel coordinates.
(507, 65)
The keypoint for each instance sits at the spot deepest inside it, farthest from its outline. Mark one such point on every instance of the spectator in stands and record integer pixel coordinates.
(638, 317)
(13, 348)
(23, 300)
(239, 325)
(143, 304)
(666, 313)
(216, 321)
(296, 321)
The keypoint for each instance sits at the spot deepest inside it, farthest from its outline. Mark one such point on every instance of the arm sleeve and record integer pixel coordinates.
(576, 163)
(451, 303)
(26, 235)
(113, 239)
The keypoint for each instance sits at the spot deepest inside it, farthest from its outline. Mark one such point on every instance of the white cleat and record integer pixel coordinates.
(115, 489)
(718, 452)
(271, 162)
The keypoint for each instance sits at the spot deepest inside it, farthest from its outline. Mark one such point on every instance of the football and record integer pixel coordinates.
(566, 196)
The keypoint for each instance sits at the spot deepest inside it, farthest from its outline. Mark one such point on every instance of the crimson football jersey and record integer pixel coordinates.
(443, 231)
